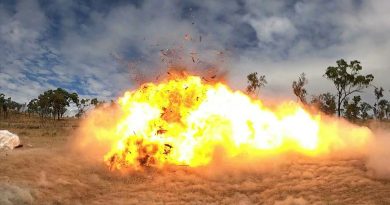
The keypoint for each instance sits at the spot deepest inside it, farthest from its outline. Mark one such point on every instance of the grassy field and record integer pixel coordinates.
(45, 171)
(36, 132)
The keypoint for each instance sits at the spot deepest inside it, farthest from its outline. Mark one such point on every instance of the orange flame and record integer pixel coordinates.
(182, 122)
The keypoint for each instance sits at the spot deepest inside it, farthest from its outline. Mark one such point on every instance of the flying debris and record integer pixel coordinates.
(187, 37)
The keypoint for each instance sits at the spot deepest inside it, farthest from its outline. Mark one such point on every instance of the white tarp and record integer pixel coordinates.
(8, 140)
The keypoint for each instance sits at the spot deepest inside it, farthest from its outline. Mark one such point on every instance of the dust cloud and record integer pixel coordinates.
(378, 158)
(59, 175)
(349, 173)
(71, 171)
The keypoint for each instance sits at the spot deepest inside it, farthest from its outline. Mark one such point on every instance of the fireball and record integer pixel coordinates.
(184, 120)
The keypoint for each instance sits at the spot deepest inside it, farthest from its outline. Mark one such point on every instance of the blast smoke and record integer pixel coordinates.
(378, 158)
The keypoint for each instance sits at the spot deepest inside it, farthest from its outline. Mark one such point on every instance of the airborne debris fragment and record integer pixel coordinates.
(161, 131)
(19, 146)
(167, 149)
(187, 37)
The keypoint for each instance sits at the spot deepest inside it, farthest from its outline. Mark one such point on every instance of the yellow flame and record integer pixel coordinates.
(182, 121)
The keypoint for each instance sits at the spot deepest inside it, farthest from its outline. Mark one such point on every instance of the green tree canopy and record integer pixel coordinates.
(378, 95)
(325, 102)
(82, 105)
(352, 110)
(53, 103)
(7, 104)
(94, 102)
(383, 109)
(255, 83)
(299, 89)
(365, 109)
(347, 80)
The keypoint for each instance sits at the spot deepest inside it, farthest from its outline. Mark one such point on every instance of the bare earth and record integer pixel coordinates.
(44, 171)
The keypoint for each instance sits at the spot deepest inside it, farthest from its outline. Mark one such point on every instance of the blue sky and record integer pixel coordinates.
(93, 47)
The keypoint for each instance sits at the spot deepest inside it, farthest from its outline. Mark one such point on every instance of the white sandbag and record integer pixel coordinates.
(8, 140)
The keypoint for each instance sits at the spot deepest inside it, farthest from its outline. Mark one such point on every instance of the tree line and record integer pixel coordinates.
(345, 102)
(6, 104)
(348, 83)
(54, 103)
(49, 104)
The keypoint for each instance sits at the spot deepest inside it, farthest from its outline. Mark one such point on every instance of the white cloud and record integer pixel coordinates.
(286, 39)
(273, 26)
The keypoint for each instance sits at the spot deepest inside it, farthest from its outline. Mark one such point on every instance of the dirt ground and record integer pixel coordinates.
(44, 171)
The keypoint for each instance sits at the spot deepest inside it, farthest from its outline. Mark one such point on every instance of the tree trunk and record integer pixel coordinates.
(339, 105)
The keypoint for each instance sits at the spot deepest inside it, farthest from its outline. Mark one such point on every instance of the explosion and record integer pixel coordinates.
(185, 119)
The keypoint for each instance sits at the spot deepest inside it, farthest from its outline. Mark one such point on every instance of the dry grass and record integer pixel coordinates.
(48, 173)
(37, 132)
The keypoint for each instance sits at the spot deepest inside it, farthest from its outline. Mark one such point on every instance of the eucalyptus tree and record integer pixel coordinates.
(325, 102)
(255, 83)
(378, 96)
(347, 79)
(299, 88)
